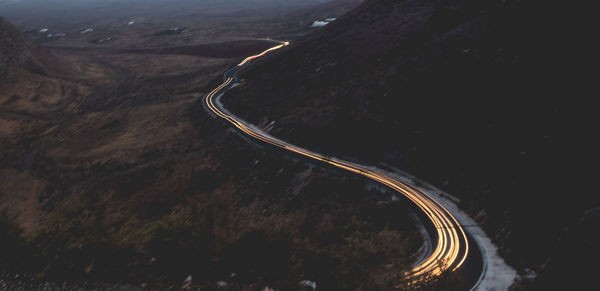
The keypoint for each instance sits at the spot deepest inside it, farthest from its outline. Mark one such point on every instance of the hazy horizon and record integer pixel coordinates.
(31, 14)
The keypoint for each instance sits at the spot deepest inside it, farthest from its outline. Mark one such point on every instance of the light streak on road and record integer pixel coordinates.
(452, 245)
(246, 60)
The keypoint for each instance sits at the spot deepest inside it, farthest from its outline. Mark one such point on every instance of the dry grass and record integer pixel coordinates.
(19, 193)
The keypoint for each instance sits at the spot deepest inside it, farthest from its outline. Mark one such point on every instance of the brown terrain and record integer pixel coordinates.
(113, 177)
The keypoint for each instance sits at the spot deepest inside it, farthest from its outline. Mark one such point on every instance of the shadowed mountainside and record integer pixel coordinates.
(14, 48)
(477, 97)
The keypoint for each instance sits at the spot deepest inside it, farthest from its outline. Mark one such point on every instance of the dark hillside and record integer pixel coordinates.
(14, 48)
(477, 97)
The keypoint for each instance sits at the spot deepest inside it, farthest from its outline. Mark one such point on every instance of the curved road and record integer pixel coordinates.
(451, 247)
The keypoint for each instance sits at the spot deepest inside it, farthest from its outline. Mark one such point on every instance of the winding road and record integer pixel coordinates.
(450, 241)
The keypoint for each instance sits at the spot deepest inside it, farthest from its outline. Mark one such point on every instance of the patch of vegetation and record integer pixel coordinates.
(12, 246)
(213, 237)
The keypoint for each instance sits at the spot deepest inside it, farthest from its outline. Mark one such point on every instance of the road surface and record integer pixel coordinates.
(451, 245)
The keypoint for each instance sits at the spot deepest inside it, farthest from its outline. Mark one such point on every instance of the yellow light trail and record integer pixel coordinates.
(452, 245)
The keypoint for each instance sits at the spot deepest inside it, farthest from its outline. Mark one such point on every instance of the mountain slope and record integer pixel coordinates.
(14, 48)
(474, 96)
(110, 171)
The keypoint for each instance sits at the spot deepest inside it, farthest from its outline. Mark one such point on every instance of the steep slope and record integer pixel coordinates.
(474, 96)
(14, 48)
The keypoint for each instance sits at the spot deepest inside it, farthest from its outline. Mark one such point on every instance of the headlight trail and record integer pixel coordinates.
(452, 245)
